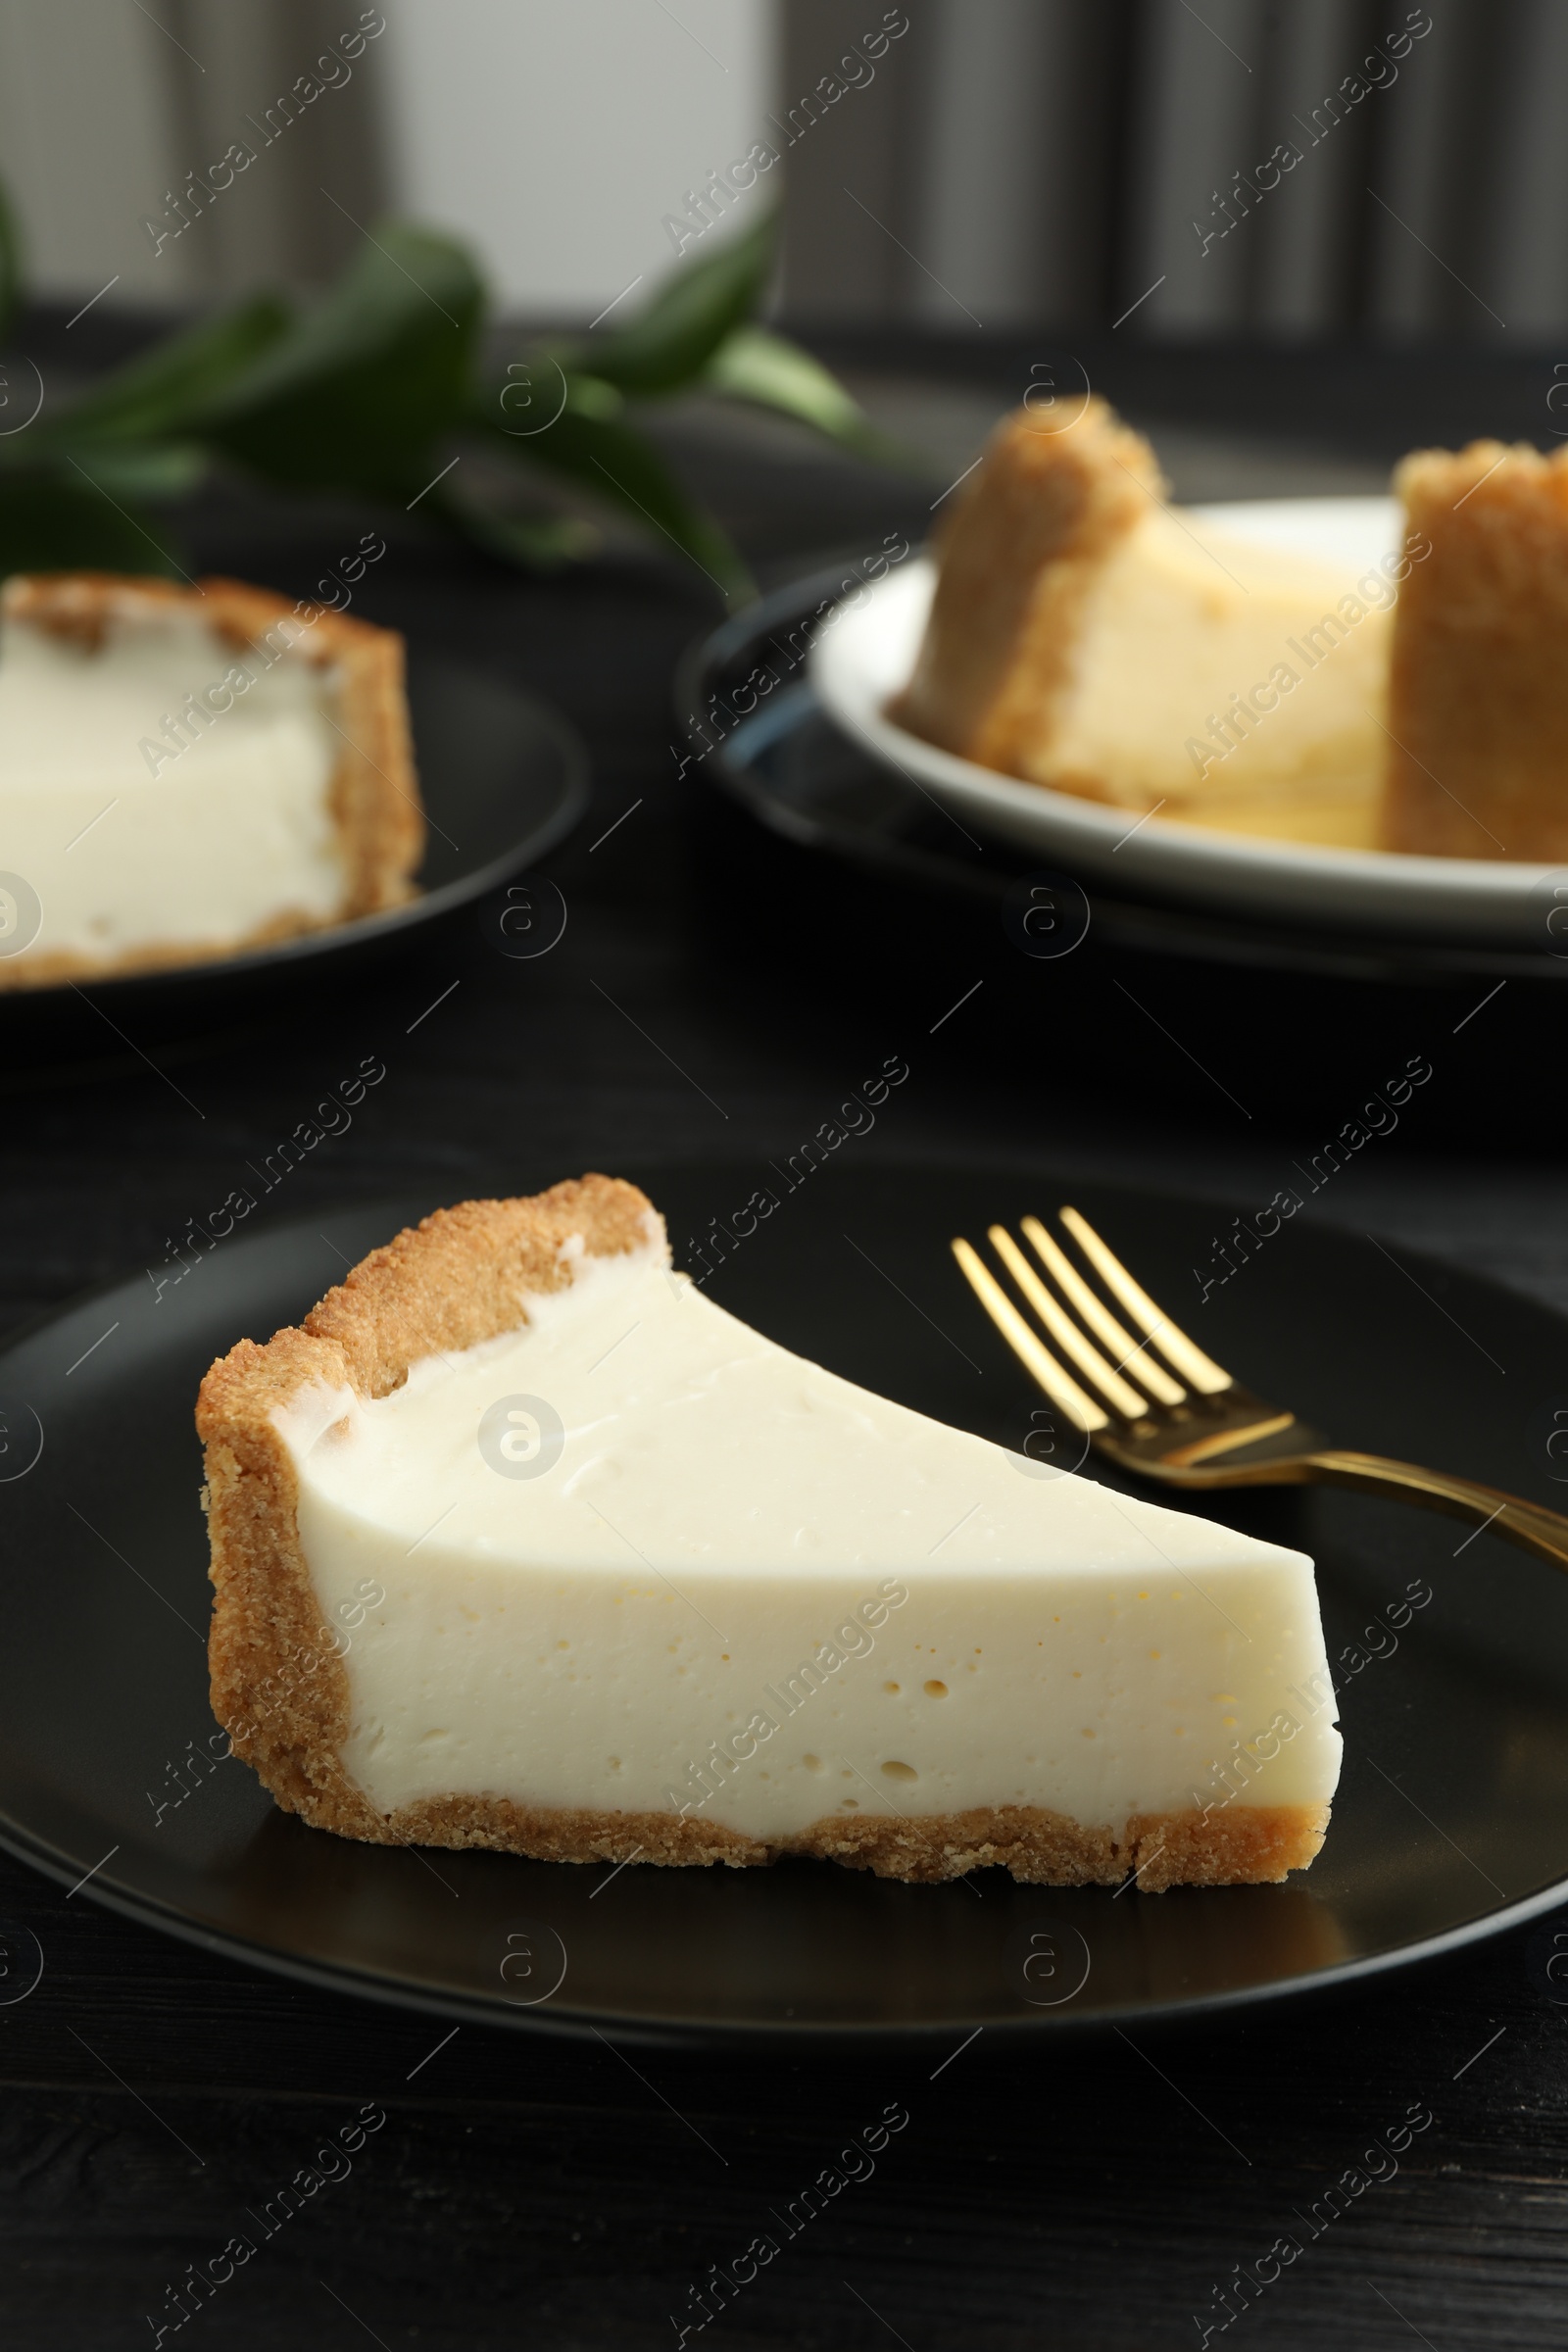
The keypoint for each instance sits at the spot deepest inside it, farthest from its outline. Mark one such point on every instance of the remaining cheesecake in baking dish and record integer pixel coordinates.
(1478, 695)
(1085, 635)
(522, 1541)
(189, 772)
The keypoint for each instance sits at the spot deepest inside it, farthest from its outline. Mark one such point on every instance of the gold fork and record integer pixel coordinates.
(1180, 1417)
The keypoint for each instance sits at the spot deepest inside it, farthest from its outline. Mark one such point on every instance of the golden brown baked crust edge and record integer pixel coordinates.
(1478, 698)
(1018, 559)
(1239, 1844)
(279, 1686)
(374, 789)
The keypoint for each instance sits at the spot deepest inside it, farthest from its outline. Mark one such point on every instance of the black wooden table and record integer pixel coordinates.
(708, 997)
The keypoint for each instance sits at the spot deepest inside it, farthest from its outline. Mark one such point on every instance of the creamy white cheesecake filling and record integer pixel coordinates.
(634, 1556)
(138, 823)
(1274, 663)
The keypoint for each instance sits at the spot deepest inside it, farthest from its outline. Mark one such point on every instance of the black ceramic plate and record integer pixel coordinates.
(1451, 1818)
(778, 753)
(503, 777)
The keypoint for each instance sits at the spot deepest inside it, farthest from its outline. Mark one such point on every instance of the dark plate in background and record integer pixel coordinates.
(1282, 1019)
(1452, 1814)
(503, 778)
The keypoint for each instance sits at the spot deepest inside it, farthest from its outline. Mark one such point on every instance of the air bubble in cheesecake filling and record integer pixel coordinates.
(901, 1772)
(936, 1690)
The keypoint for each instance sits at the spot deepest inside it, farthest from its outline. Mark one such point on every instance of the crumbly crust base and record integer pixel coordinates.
(1017, 562)
(280, 1690)
(1476, 762)
(374, 789)
(1244, 1845)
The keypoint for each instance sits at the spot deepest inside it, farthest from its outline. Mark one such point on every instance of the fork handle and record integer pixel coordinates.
(1527, 1524)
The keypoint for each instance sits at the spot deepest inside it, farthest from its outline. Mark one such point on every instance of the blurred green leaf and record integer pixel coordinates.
(752, 364)
(359, 391)
(364, 391)
(146, 469)
(540, 542)
(10, 288)
(591, 396)
(696, 306)
(162, 394)
(61, 522)
(617, 466)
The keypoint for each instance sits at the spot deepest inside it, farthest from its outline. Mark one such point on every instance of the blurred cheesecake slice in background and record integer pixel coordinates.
(185, 772)
(1087, 636)
(1478, 692)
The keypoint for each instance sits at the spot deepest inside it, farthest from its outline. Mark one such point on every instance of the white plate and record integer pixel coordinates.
(867, 651)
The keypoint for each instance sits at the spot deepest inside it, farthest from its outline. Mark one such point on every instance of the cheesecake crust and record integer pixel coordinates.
(280, 1690)
(373, 793)
(1017, 562)
(1476, 762)
(1242, 1844)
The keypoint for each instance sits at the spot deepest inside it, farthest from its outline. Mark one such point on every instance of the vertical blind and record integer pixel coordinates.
(116, 121)
(1160, 167)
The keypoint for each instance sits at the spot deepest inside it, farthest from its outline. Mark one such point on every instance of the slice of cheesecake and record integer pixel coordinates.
(1478, 694)
(1087, 636)
(188, 772)
(522, 1541)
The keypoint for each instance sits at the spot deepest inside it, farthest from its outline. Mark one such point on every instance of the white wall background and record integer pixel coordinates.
(555, 134)
(557, 137)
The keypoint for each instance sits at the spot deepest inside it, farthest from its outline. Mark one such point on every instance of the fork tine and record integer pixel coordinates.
(1058, 1383)
(1118, 1394)
(1198, 1370)
(1101, 1321)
